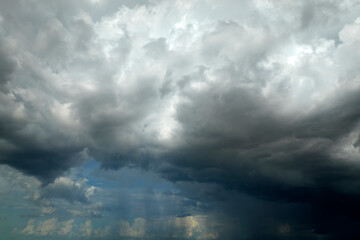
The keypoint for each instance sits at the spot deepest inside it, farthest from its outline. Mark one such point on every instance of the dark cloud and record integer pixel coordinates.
(8, 67)
(261, 101)
(234, 139)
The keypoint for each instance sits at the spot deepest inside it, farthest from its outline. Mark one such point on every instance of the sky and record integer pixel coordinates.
(181, 119)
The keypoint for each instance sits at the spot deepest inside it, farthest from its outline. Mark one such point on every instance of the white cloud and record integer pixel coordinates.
(48, 210)
(351, 32)
(68, 189)
(66, 227)
(30, 228)
(47, 227)
(86, 229)
(167, 227)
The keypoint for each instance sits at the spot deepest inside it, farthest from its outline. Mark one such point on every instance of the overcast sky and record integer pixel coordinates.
(181, 119)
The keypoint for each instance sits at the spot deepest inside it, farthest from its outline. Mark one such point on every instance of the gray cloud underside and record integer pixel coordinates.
(262, 98)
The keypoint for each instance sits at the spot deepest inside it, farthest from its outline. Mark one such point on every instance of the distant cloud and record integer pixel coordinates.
(175, 228)
(67, 189)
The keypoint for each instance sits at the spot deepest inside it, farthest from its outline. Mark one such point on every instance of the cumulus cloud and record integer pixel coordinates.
(48, 227)
(260, 97)
(63, 188)
(30, 228)
(43, 228)
(165, 228)
(186, 227)
(86, 228)
(68, 189)
(66, 227)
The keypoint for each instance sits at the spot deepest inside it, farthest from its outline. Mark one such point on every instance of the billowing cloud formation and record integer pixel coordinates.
(260, 97)
(66, 188)
(48, 227)
(170, 228)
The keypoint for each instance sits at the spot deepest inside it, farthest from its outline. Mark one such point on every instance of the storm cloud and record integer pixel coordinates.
(231, 102)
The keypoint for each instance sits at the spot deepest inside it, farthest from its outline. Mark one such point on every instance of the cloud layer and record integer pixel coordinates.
(258, 97)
